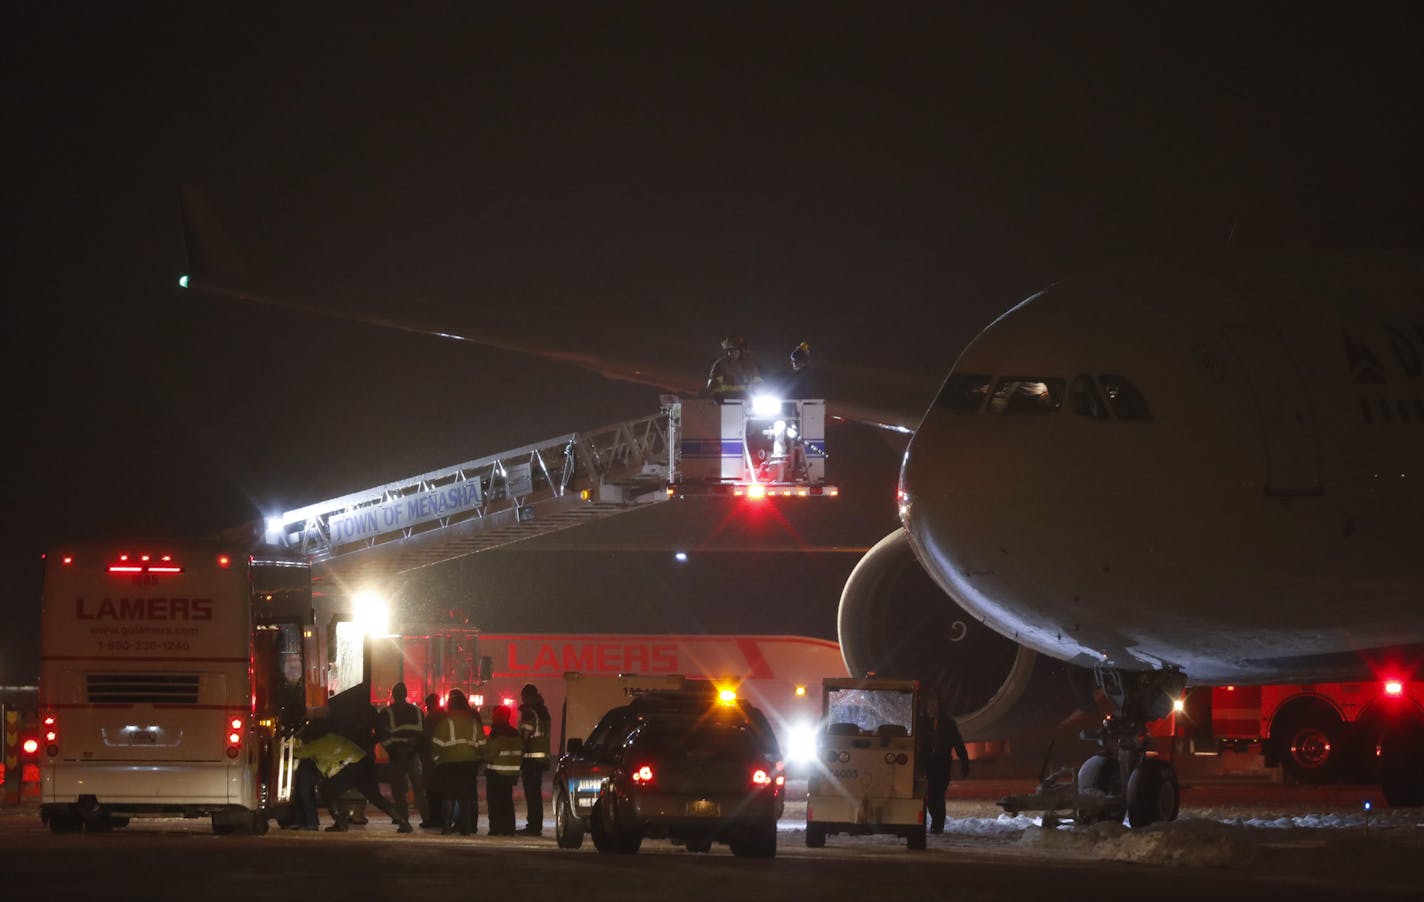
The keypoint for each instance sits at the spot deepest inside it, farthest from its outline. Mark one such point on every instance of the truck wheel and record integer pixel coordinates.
(1152, 793)
(815, 836)
(916, 840)
(65, 823)
(1308, 739)
(568, 829)
(700, 843)
(1402, 765)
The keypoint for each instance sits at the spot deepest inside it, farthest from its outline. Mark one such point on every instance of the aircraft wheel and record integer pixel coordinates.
(1099, 774)
(1152, 793)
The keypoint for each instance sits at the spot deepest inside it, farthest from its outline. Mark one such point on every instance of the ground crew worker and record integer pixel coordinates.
(534, 727)
(402, 730)
(434, 799)
(734, 374)
(456, 743)
(504, 751)
(338, 765)
(940, 740)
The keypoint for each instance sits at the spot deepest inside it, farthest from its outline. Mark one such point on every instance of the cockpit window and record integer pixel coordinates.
(1085, 399)
(965, 392)
(1026, 394)
(1125, 400)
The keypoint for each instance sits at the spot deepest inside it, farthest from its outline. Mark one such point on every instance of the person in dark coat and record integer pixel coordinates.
(535, 724)
(401, 730)
(940, 741)
(434, 798)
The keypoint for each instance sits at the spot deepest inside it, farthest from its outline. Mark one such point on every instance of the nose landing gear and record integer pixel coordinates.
(1120, 778)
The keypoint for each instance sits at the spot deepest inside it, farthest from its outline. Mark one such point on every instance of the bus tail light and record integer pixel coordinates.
(234, 736)
(49, 732)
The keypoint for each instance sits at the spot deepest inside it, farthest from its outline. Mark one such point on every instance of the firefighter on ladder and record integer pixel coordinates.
(734, 374)
(534, 727)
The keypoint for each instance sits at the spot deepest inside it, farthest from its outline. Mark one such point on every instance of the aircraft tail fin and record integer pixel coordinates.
(211, 253)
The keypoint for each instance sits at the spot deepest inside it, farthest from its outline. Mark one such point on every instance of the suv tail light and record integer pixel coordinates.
(768, 776)
(234, 736)
(49, 733)
(643, 775)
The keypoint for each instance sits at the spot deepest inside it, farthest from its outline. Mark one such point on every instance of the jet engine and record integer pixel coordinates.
(895, 622)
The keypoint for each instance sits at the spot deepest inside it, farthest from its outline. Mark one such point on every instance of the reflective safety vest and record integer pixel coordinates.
(534, 726)
(503, 752)
(330, 753)
(405, 725)
(457, 738)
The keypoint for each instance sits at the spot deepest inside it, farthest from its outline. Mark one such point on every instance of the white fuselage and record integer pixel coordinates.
(1259, 517)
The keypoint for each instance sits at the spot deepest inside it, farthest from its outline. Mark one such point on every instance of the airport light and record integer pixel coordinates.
(680, 557)
(801, 743)
(183, 281)
(371, 612)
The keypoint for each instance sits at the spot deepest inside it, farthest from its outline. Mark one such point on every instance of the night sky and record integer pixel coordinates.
(880, 179)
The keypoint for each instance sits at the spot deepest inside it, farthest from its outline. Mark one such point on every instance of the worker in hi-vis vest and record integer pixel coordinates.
(534, 727)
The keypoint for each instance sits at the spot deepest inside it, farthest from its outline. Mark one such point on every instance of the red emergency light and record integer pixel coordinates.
(145, 563)
(643, 775)
(1393, 687)
(30, 745)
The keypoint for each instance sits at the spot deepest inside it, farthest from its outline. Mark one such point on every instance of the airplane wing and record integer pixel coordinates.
(872, 395)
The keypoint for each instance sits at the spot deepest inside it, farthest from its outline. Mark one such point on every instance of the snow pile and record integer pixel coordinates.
(989, 826)
(1195, 842)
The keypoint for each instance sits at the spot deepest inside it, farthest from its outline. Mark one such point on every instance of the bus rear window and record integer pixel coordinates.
(1026, 394)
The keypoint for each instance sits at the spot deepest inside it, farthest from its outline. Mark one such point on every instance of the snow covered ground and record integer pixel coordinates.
(1290, 833)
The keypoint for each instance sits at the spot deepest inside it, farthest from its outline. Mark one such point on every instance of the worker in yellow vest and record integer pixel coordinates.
(455, 744)
(332, 764)
(503, 754)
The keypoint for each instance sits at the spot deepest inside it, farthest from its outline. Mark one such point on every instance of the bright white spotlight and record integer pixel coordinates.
(766, 405)
(371, 612)
(680, 557)
(801, 743)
